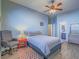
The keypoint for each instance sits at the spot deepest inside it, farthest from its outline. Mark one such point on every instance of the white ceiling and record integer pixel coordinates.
(39, 5)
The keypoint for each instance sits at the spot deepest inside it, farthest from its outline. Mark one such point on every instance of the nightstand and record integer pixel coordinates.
(22, 42)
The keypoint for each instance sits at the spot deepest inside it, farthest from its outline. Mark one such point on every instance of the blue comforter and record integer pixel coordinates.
(44, 43)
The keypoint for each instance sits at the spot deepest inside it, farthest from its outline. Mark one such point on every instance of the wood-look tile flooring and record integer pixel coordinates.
(68, 51)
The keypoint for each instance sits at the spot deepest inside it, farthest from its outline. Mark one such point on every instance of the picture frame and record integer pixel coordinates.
(41, 24)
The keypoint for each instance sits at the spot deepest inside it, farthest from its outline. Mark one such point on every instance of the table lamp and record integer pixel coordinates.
(22, 35)
(22, 40)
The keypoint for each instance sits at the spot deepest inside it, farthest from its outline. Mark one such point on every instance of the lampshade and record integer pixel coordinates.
(21, 28)
(22, 35)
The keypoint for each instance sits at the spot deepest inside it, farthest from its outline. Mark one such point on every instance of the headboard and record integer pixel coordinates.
(34, 33)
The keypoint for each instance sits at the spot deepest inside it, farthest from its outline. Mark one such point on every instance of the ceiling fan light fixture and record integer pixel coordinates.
(52, 11)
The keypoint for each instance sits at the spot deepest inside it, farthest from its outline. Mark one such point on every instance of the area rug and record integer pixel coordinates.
(28, 53)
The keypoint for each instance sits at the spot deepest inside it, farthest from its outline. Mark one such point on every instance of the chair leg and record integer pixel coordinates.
(45, 58)
(10, 51)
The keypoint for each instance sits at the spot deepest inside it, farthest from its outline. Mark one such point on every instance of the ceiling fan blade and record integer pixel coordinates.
(58, 9)
(59, 4)
(47, 6)
(46, 10)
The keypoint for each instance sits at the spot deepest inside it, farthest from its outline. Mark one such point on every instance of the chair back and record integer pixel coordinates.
(6, 35)
(0, 38)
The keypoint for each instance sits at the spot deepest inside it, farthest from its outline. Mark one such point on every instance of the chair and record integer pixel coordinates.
(0, 42)
(7, 37)
(0, 39)
(3, 46)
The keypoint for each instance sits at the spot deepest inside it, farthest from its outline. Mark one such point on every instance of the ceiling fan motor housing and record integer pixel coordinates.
(50, 1)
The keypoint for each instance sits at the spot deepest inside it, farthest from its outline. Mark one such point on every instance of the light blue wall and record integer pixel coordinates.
(20, 16)
(68, 18)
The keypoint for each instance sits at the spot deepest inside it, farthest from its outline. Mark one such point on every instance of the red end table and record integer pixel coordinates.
(22, 42)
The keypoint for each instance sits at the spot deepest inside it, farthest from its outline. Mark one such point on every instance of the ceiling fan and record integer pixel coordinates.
(54, 7)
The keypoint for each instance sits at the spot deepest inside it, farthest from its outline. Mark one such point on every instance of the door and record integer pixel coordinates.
(49, 29)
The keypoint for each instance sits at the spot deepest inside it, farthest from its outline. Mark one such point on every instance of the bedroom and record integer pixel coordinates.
(29, 18)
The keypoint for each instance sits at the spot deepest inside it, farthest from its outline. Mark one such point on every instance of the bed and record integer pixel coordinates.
(44, 45)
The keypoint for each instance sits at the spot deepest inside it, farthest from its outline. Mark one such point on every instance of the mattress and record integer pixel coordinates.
(44, 43)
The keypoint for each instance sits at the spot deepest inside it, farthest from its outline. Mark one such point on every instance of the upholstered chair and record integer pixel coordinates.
(8, 39)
